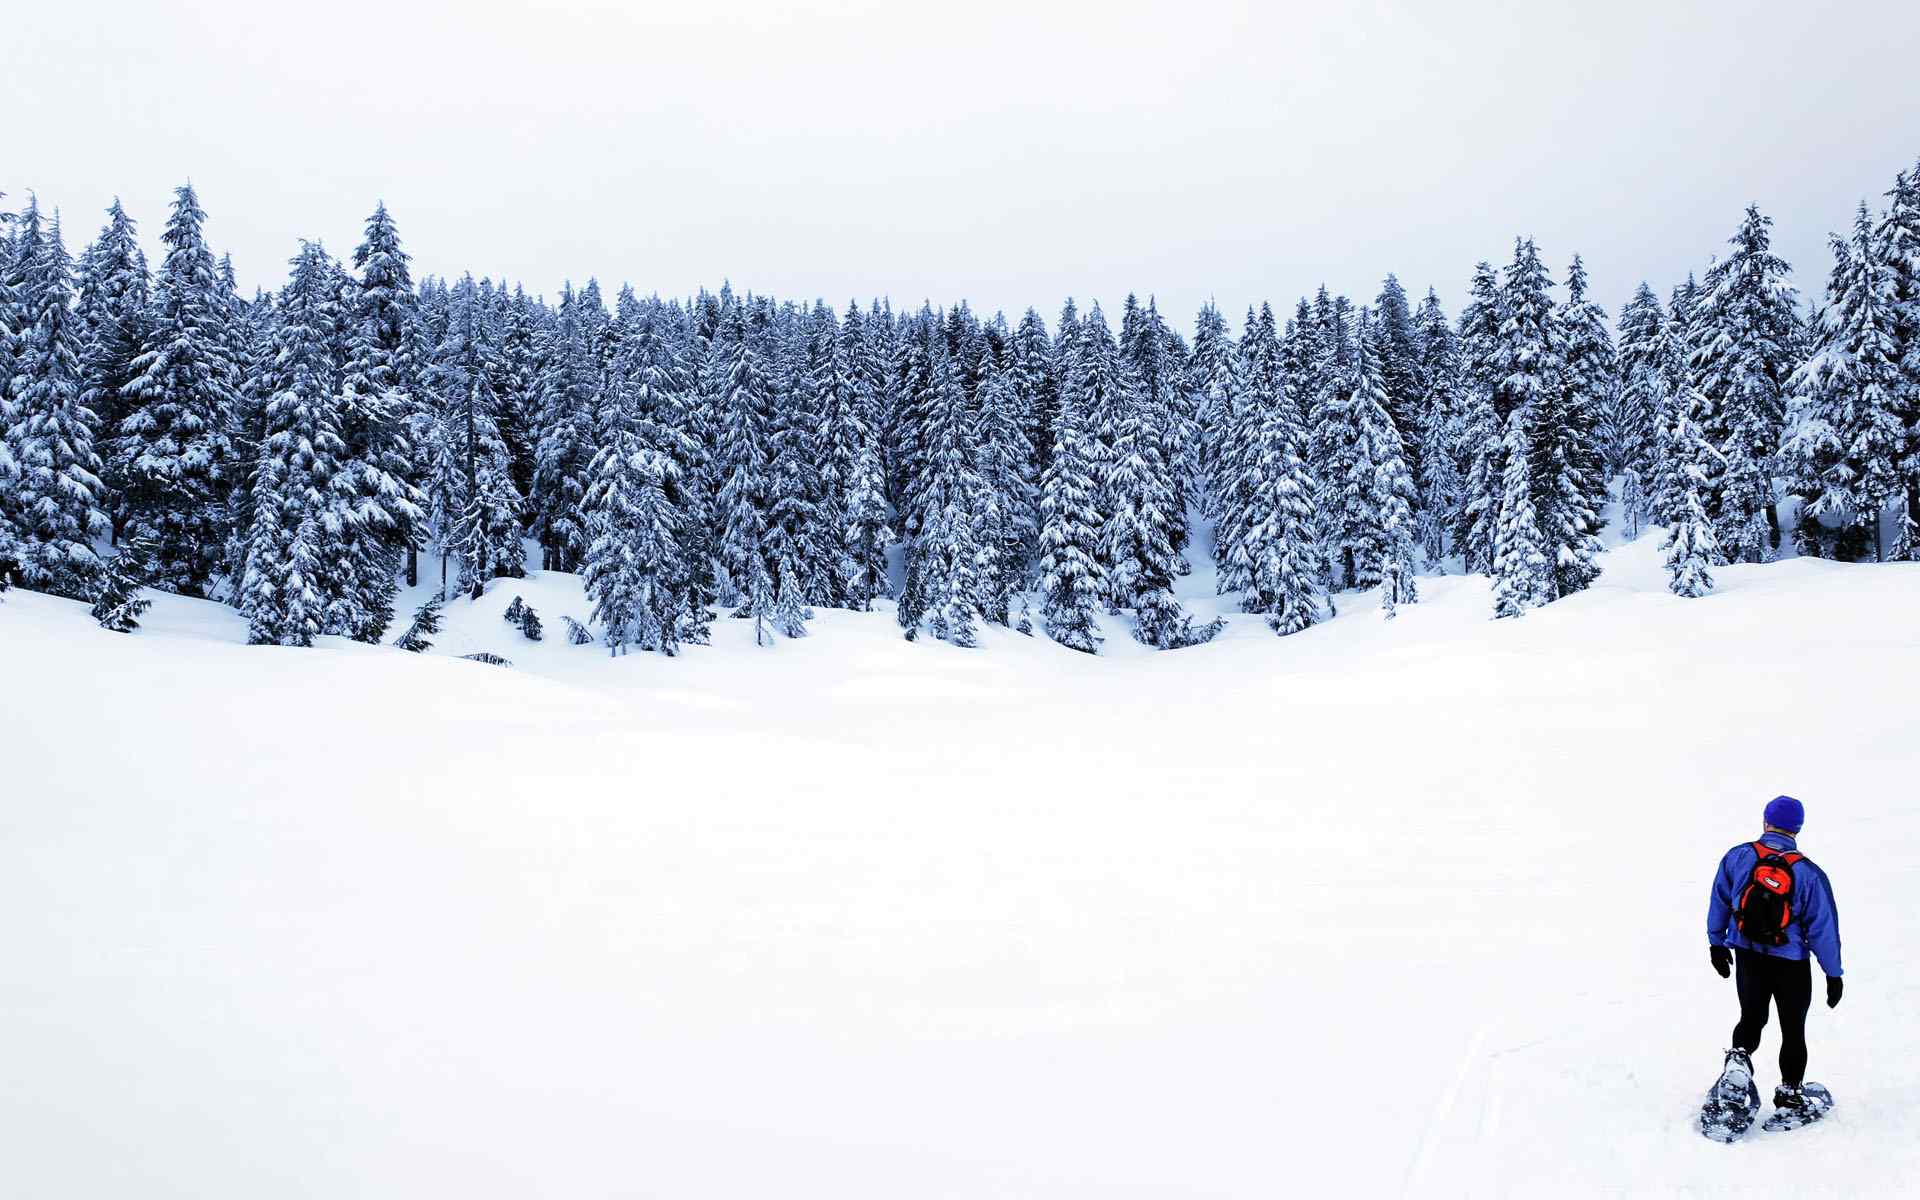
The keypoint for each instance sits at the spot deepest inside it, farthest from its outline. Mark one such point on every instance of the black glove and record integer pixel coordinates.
(1722, 959)
(1834, 984)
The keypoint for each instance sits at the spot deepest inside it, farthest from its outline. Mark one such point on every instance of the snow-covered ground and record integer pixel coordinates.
(1388, 907)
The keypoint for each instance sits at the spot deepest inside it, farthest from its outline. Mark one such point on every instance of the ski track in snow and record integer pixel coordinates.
(856, 918)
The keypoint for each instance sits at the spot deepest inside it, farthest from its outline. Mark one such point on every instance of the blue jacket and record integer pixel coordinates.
(1816, 922)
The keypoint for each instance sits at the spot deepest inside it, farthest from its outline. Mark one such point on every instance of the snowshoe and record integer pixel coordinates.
(1795, 1105)
(1732, 1102)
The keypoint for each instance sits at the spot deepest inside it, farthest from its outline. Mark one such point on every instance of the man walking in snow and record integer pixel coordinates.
(1770, 907)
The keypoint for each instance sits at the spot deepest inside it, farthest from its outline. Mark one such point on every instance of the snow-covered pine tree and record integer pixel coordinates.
(790, 611)
(1441, 479)
(1742, 343)
(1522, 572)
(173, 448)
(1101, 390)
(1531, 367)
(1372, 523)
(859, 472)
(634, 570)
(487, 529)
(111, 309)
(741, 459)
(1009, 518)
(1072, 581)
(1843, 454)
(563, 447)
(1326, 356)
(382, 411)
(473, 506)
(1036, 386)
(1569, 469)
(1251, 385)
(297, 509)
(1155, 377)
(445, 488)
(1391, 489)
(798, 516)
(1209, 382)
(1692, 549)
(1138, 537)
(518, 390)
(1638, 410)
(425, 624)
(759, 599)
(912, 396)
(1277, 553)
(117, 602)
(1477, 517)
(842, 413)
(1397, 351)
(950, 552)
(55, 499)
(1900, 231)
(1593, 378)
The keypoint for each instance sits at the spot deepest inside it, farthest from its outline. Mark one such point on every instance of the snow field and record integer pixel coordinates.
(1409, 907)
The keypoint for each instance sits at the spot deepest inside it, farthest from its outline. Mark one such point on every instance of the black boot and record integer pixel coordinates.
(1736, 1073)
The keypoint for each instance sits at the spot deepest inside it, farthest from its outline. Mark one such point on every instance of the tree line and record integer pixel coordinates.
(299, 454)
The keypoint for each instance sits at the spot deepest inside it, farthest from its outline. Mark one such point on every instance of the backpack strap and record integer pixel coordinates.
(1790, 857)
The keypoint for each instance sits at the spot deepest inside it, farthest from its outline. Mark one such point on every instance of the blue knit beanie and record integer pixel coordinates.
(1784, 812)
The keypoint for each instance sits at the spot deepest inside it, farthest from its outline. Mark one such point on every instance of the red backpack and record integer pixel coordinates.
(1766, 903)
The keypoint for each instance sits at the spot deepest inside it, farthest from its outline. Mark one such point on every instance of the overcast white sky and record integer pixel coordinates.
(1010, 153)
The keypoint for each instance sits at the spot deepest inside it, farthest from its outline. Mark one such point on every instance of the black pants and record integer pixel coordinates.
(1787, 983)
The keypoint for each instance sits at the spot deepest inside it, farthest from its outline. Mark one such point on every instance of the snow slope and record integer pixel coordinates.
(853, 918)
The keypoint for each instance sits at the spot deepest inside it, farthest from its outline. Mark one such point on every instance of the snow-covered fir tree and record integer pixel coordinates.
(1036, 385)
(1276, 552)
(54, 497)
(173, 449)
(634, 573)
(118, 603)
(1900, 233)
(1476, 518)
(860, 473)
(950, 553)
(297, 508)
(1072, 579)
(801, 519)
(1843, 455)
(1373, 522)
(1397, 350)
(1692, 549)
(741, 458)
(1441, 479)
(1099, 388)
(1009, 519)
(1741, 342)
(1209, 382)
(1522, 572)
(381, 420)
(1165, 413)
(111, 308)
(1569, 464)
(1139, 542)
(1251, 386)
(1639, 407)
(563, 442)
(1530, 366)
